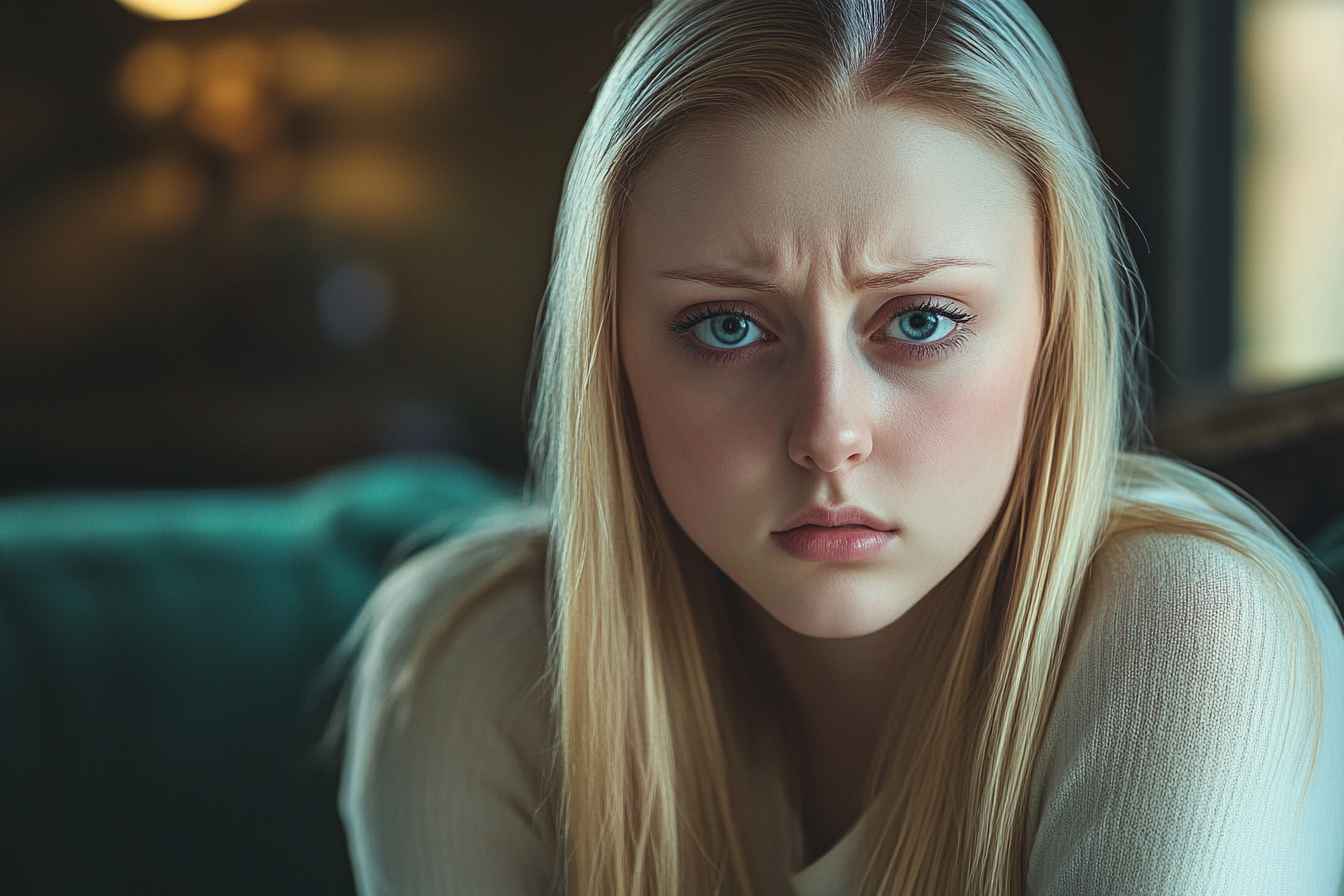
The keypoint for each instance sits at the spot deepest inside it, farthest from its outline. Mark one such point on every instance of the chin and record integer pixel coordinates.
(837, 630)
(837, 615)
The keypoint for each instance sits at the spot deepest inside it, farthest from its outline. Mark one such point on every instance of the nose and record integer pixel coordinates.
(831, 430)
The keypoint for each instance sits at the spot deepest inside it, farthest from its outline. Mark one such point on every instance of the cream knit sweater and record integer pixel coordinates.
(1177, 760)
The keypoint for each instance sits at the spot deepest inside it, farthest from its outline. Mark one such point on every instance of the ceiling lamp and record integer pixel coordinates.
(178, 10)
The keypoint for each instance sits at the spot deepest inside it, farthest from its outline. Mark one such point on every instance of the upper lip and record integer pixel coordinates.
(844, 515)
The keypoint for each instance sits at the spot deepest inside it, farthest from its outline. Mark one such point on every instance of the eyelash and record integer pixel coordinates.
(924, 350)
(683, 325)
(918, 350)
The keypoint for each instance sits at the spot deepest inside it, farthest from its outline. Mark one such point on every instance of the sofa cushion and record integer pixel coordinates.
(156, 653)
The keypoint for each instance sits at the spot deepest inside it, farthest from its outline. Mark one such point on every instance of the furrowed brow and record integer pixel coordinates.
(723, 278)
(911, 273)
(731, 279)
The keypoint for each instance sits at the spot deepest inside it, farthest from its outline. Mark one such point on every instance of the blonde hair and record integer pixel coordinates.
(650, 737)
(648, 666)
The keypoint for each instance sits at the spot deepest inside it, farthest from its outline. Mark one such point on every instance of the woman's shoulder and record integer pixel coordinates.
(448, 724)
(460, 627)
(1191, 562)
(1178, 584)
(1184, 544)
(463, 600)
(1197, 620)
(1181, 746)
(471, 625)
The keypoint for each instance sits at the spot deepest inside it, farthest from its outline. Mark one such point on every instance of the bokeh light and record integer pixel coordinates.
(280, 218)
(370, 185)
(168, 193)
(154, 79)
(402, 69)
(311, 66)
(229, 106)
(180, 10)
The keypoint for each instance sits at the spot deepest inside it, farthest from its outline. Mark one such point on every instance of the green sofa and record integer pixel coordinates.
(158, 657)
(158, 661)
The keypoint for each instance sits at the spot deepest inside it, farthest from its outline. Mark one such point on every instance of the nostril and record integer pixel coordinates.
(829, 451)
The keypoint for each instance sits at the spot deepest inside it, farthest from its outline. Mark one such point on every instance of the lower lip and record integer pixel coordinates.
(832, 544)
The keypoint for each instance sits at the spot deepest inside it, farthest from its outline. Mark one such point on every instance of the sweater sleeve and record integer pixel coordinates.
(1181, 749)
(442, 791)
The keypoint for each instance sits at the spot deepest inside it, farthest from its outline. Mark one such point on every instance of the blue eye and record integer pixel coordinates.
(920, 325)
(727, 331)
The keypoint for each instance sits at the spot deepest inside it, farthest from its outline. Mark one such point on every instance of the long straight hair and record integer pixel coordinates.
(655, 727)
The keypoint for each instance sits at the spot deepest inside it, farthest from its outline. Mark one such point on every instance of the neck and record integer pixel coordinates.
(838, 679)
(842, 692)
(855, 680)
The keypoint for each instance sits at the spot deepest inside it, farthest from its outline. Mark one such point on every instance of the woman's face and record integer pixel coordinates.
(829, 327)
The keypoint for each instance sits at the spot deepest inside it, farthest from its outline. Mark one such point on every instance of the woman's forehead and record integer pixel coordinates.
(881, 183)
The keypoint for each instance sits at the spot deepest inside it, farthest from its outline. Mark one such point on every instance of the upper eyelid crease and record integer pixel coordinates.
(934, 304)
(688, 319)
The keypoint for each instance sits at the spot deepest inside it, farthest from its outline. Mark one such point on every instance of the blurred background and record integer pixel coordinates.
(246, 246)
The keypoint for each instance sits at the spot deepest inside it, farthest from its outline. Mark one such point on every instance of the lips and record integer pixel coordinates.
(845, 534)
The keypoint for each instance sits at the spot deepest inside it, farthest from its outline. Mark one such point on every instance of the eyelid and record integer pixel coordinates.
(683, 325)
(941, 305)
(686, 320)
(689, 318)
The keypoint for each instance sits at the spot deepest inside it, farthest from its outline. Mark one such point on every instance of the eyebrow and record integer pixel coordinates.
(730, 279)
(917, 271)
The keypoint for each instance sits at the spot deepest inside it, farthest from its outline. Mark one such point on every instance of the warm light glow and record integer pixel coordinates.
(375, 186)
(229, 107)
(1290, 252)
(153, 80)
(396, 71)
(311, 66)
(164, 194)
(179, 10)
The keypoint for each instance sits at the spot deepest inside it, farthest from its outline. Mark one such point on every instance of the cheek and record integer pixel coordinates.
(990, 417)
(969, 444)
(708, 437)
(708, 450)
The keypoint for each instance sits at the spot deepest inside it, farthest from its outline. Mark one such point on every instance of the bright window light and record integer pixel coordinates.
(1289, 314)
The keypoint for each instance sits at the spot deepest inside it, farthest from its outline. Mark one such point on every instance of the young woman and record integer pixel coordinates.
(847, 576)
